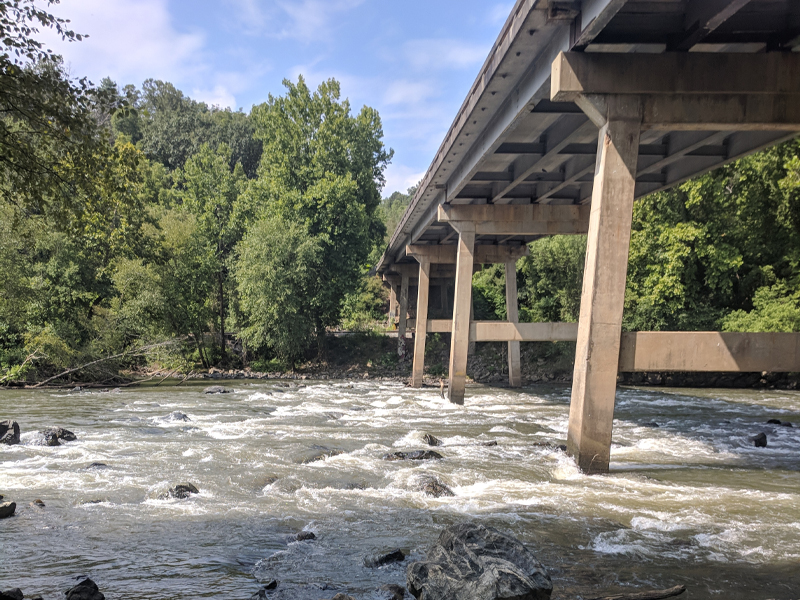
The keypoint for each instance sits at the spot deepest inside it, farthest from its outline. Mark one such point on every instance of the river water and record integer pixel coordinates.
(689, 502)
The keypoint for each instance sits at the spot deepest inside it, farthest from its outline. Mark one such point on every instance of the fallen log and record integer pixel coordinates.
(653, 595)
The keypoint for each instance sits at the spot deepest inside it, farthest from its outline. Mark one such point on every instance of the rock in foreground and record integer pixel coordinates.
(85, 590)
(9, 433)
(53, 436)
(760, 440)
(416, 455)
(473, 562)
(7, 509)
(13, 594)
(380, 560)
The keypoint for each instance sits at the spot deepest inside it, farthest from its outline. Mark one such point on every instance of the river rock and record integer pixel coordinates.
(392, 591)
(183, 491)
(479, 563)
(431, 486)
(176, 416)
(323, 454)
(216, 389)
(431, 440)
(416, 455)
(97, 465)
(7, 509)
(379, 560)
(760, 440)
(774, 422)
(9, 432)
(341, 596)
(85, 590)
(37, 504)
(53, 436)
(488, 444)
(12, 594)
(305, 535)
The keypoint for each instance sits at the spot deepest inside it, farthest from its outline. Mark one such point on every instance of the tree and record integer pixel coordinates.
(323, 168)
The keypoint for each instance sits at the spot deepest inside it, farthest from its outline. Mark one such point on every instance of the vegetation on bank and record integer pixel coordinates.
(140, 227)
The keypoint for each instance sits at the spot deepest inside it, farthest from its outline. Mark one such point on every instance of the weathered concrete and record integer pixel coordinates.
(530, 219)
(710, 351)
(459, 343)
(401, 323)
(602, 298)
(421, 323)
(512, 314)
(484, 255)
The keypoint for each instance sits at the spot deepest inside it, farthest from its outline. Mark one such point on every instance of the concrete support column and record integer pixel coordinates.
(422, 324)
(392, 304)
(512, 315)
(462, 306)
(600, 325)
(401, 326)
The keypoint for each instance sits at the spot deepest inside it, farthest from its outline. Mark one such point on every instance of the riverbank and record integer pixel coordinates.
(371, 356)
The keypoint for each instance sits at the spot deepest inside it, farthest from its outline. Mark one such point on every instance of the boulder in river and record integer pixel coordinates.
(53, 436)
(480, 563)
(7, 509)
(379, 560)
(431, 440)
(305, 535)
(183, 491)
(774, 422)
(216, 389)
(432, 486)
(9, 432)
(415, 455)
(323, 454)
(392, 591)
(85, 590)
(176, 416)
(37, 504)
(97, 465)
(12, 594)
(760, 440)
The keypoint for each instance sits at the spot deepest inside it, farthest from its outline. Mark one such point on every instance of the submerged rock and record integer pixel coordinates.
(416, 455)
(774, 422)
(379, 560)
(488, 444)
(37, 504)
(85, 590)
(97, 465)
(216, 389)
(760, 440)
(651, 425)
(176, 416)
(7, 509)
(305, 535)
(341, 596)
(183, 491)
(12, 594)
(9, 432)
(431, 440)
(392, 591)
(322, 455)
(479, 563)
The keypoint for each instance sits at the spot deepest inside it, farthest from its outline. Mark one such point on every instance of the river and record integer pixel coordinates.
(690, 502)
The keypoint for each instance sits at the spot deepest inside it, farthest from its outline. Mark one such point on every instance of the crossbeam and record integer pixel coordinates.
(484, 255)
(503, 331)
(674, 74)
(530, 219)
(709, 351)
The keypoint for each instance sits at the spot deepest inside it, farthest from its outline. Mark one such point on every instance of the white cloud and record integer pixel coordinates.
(219, 96)
(400, 177)
(304, 20)
(444, 54)
(410, 92)
(129, 40)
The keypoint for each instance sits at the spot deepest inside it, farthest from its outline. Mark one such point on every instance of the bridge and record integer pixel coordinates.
(580, 108)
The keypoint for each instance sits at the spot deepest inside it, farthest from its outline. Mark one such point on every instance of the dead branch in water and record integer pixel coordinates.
(653, 595)
(132, 352)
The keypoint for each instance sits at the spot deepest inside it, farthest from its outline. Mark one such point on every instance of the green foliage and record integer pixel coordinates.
(775, 308)
(364, 307)
(489, 293)
(552, 275)
(278, 270)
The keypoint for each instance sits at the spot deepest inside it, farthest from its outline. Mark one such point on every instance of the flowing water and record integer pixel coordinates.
(689, 502)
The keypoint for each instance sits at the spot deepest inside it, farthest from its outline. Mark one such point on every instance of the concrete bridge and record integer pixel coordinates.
(580, 108)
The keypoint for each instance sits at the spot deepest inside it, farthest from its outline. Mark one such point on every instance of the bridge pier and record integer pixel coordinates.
(512, 315)
(421, 327)
(594, 382)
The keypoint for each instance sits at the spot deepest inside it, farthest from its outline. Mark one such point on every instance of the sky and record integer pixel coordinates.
(412, 60)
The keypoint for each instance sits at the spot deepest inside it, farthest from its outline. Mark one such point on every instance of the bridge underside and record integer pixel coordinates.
(581, 108)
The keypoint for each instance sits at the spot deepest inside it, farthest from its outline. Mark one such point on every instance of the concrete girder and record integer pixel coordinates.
(703, 18)
(486, 254)
(674, 74)
(530, 219)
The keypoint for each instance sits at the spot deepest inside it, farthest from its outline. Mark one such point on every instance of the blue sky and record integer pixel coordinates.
(413, 60)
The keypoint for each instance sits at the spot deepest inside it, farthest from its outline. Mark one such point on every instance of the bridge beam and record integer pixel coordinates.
(515, 219)
(484, 255)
